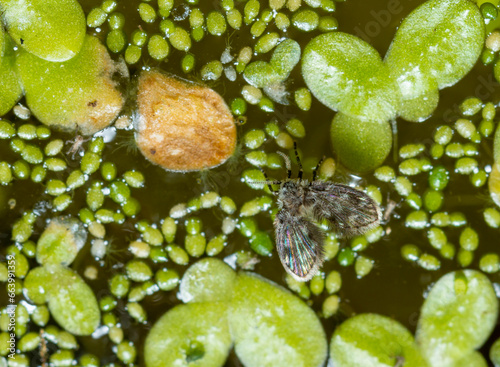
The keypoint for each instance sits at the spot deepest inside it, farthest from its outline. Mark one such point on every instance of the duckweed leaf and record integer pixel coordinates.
(457, 317)
(443, 38)
(35, 285)
(347, 74)
(285, 57)
(10, 87)
(360, 145)
(61, 241)
(273, 328)
(208, 280)
(261, 74)
(375, 341)
(79, 94)
(53, 30)
(195, 334)
(494, 182)
(71, 301)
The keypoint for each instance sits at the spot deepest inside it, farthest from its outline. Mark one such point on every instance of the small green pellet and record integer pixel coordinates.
(169, 228)
(303, 99)
(90, 162)
(410, 167)
(32, 154)
(119, 192)
(55, 164)
(187, 63)
(196, 18)
(363, 266)
(417, 219)
(266, 43)
(437, 151)
(198, 33)
(138, 270)
(178, 255)
(180, 39)
(317, 284)
(105, 216)
(116, 40)
(195, 244)
(411, 150)
(410, 252)
(132, 54)
(440, 219)
(448, 251)
(403, 186)
(385, 174)
(414, 201)
(465, 257)
(139, 37)
(295, 128)
(216, 245)
(212, 70)
(333, 282)
(261, 243)
(457, 219)
(55, 187)
(489, 111)
(164, 7)
(234, 18)
(158, 47)
(492, 217)
(438, 178)
(216, 23)
(466, 165)
(254, 139)
(95, 196)
(443, 135)
(489, 11)
(116, 20)
(489, 263)
(346, 256)
(27, 132)
(328, 24)
(126, 351)
(75, 179)
(147, 13)
(108, 171)
(465, 128)
(5, 173)
(54, 147)
(134, 179)
(305, 20)
(471, 106)
(454, 150)
(251, 10)
(17, 145)
(167, 279)
(330, 306)
(40, 315)
(258, 28)
(167, 27)
(433, 200)
(486, 128)
(283, 23)
(7, 131)
(429, 262)
(469, 239)
(136, 311)
(437, 238)
(21, 170)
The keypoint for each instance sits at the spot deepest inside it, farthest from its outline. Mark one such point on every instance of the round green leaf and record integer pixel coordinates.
(347, 74)
(285, 57)
(195, 334)
(9, 79)
(208, 280)
(457, 317)
(60, 241)
(53, 30)
(79, 94)
(375, 341)
(442, 38)
(261, 74)
(71, 301)
(360, 145)
(273, 328)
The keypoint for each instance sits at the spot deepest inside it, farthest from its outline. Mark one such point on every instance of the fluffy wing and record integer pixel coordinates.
(350, 211)
(300, 245)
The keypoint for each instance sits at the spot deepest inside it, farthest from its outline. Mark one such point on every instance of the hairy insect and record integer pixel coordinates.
(298, 240)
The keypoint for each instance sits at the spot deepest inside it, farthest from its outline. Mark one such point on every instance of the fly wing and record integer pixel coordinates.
(300, 245)
(350, 211)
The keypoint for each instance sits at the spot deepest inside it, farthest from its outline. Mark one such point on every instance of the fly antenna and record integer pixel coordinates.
(287, 163)
(301, 171)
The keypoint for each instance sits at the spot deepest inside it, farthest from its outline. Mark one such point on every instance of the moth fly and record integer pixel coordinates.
(299, 241)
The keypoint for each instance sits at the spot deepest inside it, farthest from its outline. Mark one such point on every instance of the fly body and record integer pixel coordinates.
(299, 240)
